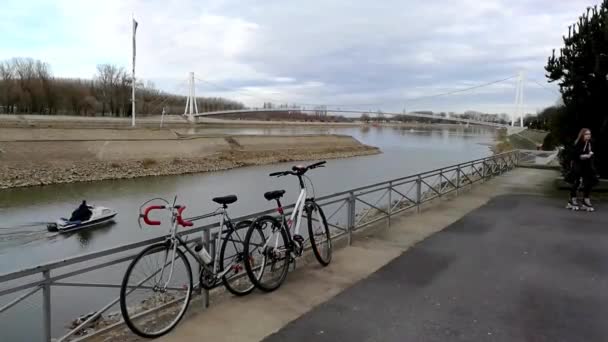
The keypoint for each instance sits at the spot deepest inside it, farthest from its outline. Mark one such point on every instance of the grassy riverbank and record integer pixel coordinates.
(528, 139)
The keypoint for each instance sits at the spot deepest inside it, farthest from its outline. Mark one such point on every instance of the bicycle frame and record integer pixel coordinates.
(174, 240)
(296, 214)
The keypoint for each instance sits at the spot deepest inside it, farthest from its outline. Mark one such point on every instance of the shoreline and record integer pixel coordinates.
(50, 174)
(178, 121)
(35, 157)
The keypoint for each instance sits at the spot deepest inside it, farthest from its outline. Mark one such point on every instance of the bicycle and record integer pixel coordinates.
(278, 248)
(158, 271)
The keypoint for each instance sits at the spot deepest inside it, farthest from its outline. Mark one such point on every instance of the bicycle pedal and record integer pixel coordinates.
(298, 242)
(293, 262)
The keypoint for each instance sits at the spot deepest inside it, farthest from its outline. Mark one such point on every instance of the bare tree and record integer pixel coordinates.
(106, 76)
(7, 91)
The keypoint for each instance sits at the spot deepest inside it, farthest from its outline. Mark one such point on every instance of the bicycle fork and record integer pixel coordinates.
(173, 252)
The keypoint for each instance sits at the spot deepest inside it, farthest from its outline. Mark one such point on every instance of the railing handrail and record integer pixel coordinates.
(97, 254)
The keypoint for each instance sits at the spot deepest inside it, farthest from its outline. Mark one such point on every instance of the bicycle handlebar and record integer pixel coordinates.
(298, 171)
(180, 219)
(315, 165)
(147, 211)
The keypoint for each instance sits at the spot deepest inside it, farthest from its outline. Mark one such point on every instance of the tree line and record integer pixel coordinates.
(379, 116)
(27, 86)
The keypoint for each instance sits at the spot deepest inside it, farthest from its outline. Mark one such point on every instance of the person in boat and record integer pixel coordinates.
(82, 213)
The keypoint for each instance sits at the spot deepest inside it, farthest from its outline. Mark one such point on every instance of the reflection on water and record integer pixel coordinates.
(85, 236)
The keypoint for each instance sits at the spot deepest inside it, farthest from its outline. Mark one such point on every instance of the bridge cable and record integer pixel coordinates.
(237, 91)
(553, 91)
(459, 90)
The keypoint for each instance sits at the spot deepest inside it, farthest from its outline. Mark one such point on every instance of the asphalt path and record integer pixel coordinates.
(520, 268)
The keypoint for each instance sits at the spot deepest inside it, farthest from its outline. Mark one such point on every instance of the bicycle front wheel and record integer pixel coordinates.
(318, 232)
(232, 258)
(156, 290)
(268, 253)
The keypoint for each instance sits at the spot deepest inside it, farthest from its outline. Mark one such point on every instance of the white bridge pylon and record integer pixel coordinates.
(519, 100)
(191, 110)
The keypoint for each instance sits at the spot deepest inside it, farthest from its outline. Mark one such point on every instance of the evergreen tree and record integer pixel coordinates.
(581, 70)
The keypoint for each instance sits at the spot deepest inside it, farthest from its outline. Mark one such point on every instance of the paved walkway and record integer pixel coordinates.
(520, 268)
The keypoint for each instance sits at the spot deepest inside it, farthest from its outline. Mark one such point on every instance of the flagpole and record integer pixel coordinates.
(133, 78)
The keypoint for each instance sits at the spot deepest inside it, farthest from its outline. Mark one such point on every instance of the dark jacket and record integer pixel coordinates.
(82, 213)
(583, 167)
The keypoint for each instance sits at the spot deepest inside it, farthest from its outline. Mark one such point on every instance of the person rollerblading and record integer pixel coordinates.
(573, 204)
(587, 206)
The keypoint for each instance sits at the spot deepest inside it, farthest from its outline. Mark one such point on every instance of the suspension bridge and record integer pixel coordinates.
(192, 113)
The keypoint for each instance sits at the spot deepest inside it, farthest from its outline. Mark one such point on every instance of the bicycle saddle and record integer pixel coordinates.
(225, 199)
(270, 195)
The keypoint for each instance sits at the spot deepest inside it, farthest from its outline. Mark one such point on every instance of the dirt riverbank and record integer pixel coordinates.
(30, 157)
(178, 122)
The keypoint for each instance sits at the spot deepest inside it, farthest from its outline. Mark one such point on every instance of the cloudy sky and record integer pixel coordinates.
(348, 53)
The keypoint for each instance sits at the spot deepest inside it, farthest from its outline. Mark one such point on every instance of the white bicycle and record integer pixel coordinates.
(157, 285)
(269, 245)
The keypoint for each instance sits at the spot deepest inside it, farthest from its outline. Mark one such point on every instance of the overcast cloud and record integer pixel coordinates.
(356, 54)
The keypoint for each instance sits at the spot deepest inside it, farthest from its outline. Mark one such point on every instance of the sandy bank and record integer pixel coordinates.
(38, 157)
(170, 121)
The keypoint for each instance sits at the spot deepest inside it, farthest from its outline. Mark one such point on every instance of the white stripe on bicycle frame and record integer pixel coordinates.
(297, 210)
(172, 264)
(173, 231)
(217, 242)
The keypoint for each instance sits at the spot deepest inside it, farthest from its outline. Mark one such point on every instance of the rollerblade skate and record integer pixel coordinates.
(573, 204)
(587, 206)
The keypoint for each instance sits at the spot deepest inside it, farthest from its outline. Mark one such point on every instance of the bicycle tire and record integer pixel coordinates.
(226, 279)
(314, 242)
(256, 279)
(129, 320)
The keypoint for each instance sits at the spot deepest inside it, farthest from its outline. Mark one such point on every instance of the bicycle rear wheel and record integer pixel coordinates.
(268, 254)
(156, 290)
(232, 257)
(318, 232)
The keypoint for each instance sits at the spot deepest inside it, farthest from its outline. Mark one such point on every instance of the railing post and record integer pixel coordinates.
(418, 193)
(483, 171)
(440, 182)
(351, 216)
(457, 179)
(207, 244)
(390, 202)
(46, 305)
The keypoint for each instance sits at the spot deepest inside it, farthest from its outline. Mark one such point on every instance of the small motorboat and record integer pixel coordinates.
(99, 216)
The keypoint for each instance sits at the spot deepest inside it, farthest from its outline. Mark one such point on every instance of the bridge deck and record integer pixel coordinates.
(539, 276)
(353, 112)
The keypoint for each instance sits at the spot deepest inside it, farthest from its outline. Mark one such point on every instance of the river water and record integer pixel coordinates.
(24, 240)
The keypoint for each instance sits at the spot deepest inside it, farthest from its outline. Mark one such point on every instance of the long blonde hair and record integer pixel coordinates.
(581, 135)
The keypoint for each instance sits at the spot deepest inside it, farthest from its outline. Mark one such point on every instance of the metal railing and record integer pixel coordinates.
(346, 212)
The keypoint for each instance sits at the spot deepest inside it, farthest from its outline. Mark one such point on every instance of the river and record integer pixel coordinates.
(24, 240)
